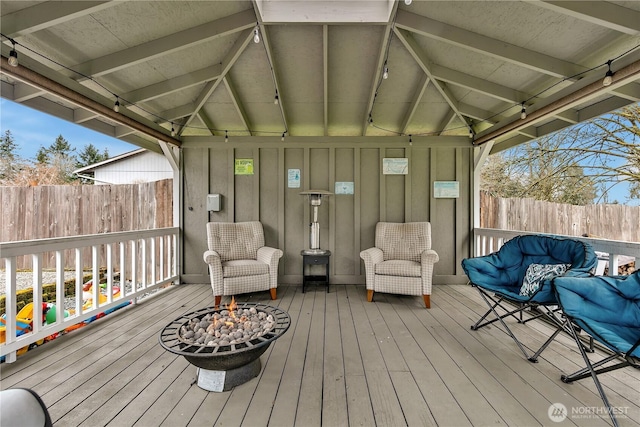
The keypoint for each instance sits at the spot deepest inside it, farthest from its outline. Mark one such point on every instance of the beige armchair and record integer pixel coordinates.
(238, 260)
(401, 261)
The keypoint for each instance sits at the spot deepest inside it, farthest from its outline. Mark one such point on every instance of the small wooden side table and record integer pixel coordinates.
(310, 258)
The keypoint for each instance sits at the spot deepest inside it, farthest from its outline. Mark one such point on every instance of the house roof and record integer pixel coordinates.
(193, 66)
(114, 159)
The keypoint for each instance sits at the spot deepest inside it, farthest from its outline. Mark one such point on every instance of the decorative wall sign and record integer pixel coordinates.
(293, 178)
(395, 166)
(446, 189)
(244, 167)
(344, 187)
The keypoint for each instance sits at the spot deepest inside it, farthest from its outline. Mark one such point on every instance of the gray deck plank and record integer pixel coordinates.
(309, 411)
(334, 392)
(286, 402)
(344, 361)
(386, 407)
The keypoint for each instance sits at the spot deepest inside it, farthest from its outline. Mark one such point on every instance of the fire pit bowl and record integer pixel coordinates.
(218, 363)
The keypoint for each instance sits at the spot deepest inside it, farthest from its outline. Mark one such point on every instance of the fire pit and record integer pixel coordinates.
(226, 360)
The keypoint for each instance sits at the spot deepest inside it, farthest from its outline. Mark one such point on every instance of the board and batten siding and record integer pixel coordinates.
(347, 221)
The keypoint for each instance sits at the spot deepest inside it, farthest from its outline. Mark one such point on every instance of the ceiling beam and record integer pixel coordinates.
(478, 85)
(630, 92)
(604, 14)
(71, 91)
(325, 77)
(238, 106)
(375, 84)
(23, 92)
(274, 71)
(48, 14)
(206, 121)
(80, 115)
(167, 44)
(415, 102)
(487, 46)
(421, 58)
(586, 89)
(239, 46)
(166, 87)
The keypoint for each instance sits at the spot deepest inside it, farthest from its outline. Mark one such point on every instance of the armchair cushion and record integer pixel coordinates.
(402, 240)
(233, 241)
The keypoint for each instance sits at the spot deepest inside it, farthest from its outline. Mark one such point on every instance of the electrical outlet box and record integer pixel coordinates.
(213, 202)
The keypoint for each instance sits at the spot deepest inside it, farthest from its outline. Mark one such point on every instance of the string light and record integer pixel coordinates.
(410, 140)
(523, 112)
(226, 136)
(608, 78)
(407, 2)
(13, 56)
(385, 74)
(276, 100)
(173, 131)
(283, 133)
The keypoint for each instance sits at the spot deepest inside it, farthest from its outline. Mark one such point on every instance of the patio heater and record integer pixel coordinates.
(315, 200)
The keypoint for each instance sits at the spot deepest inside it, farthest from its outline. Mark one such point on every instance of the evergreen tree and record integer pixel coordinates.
(90, 155)
(10, 162)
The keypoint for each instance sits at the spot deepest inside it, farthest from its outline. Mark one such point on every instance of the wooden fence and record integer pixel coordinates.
(616, 222)
(41, 212)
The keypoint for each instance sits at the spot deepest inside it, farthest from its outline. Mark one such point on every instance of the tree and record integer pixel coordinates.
(10, 162)
(90, 155)
(59, 156)
(575, 165)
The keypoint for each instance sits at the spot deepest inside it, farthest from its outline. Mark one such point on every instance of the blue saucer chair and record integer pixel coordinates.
(608, 309)
(520, 274)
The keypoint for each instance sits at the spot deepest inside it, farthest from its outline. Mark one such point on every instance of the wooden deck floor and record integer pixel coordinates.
(343, 362)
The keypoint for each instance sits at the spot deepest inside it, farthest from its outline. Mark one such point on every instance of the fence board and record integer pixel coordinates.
(42, 212)
(616, 222)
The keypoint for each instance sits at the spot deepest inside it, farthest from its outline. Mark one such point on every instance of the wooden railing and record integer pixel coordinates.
(145, 258)
(488, 240)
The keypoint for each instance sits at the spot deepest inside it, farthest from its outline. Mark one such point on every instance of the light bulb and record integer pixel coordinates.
(13, 58)
(116, 106)
(226, 136)
(276, 100)
(173, 131)
(407, 2)
(256, 36)
(282, 139)
(523, 112)
(608, 78)
(385, 74)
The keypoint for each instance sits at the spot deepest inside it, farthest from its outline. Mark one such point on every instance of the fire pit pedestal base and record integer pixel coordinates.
(220, 381)
(222, 367)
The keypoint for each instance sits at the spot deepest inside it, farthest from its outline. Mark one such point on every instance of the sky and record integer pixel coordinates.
(32, 129)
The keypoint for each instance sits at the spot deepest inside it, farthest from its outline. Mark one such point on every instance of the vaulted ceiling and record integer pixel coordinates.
(454, 67)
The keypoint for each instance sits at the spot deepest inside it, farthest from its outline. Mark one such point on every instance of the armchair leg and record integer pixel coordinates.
(217, 298)
(427, 300)
(273, 293)
(369, 295)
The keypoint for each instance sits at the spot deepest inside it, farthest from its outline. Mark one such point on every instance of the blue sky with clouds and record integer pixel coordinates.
(32, 129)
